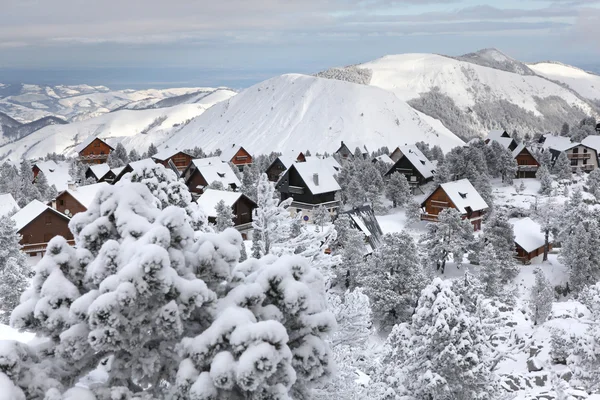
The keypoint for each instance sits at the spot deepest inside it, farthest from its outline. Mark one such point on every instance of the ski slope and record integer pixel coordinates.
(292, 112)
(584, 83)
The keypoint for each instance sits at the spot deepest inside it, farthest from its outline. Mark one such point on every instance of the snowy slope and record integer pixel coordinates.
(298, 112)
(137, 129)
(202, 96)
(489, 97)
(584, 83)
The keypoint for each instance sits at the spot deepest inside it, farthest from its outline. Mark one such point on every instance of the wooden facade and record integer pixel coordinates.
(37, 233)
(406, 168)
(439, 201)
(194, 180)
(181, 160)
(277, 167)
(67, 204)
(292, 185)
(240, 158)
(526, 257)
(396, 154)
(528, 165)
(96, 152)
(242, 211)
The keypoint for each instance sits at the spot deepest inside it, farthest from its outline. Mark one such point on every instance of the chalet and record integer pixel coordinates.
(282, 163)
(137, 166)
(37, 224)
(202, 172)
(598, 128)
(111, 175)
(241, 206)
(460, 195)
(96, 171)
(76, 199)
(57, 174)
(311, 184)
(168, 157)
(8, 205)
(93, 150)
(414, 165)
(364, 220)
(237, 155)
(396, 154)
(529, 240)
(580, 155)
(346, 151)
(528, 164)
(384, 158)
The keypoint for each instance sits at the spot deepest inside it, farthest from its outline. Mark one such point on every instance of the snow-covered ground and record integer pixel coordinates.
(584, 83)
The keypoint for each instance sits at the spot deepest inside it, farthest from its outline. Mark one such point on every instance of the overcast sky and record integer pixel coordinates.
(238, 42)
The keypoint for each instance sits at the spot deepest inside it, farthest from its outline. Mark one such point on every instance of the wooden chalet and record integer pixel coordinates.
(282, 163)
(241, 206)
(56, 174)
(96, 171)
(581, 155)
(529, 240)
(311, 184)
(363, 218)
(204, 171)
(460, 195)
(237, 155)
(111, 175)
(414, 165)
(528, 164)
(93, 150)
(396, 154)
(179, 158)
(501, 137)
(384, 158)
(346, 151)
(37, 224)
(76, 199)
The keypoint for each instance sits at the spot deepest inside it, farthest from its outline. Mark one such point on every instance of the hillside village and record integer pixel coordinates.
(511, 220)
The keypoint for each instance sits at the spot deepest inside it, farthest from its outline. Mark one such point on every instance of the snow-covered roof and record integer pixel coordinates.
(365, 220)
(418, 160)
(518, 150)
(7, 204)
(87, 142)
(528, 234)
(384, 158)
(352, 147)
(321, 171)
(495, 134)
(220, 172)
(228, 153)
(57, 174)
(463, 195)
(558, 143)
(117, 170)
(168, 153)
(99, 170)
(138, 166)
(202, 162)
(30, 212)
(209, 199)
(592, 141)
(503, 141)
(85, 194)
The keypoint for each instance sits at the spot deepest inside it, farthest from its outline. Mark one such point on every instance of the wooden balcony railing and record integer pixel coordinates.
(39, 247)
(429, 217)
(579, 156)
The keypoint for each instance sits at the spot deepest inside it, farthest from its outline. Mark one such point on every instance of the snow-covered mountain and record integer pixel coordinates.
(587, 84)
(292, 112)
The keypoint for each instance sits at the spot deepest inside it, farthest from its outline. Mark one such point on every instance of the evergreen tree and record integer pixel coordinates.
(483, 185)
(593, 183)
(585, 360)
(249, 180)
(121, 153)
(564, 131)
(442, 354)
(581, 254)
(437, 154)
(546, 159)
(28, 192)
(490, 272)
(47, 192)
(499, 233)
(321, 216)
(257, 246)
(562, 167)
(152, 150)
(133, 156)
(353, 259)
(114, 161)
(393, 279)
(543, 175)
(398, 189)
(542, 296)
(451, 236)
(224, 216)
(507, 166)
(442, 173)
(413, 212)
(546, 214)
(14, 269)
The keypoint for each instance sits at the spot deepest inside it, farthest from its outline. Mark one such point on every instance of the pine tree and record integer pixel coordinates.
(450, 236)
(585, 360)
(152, 150)
(353, 259)
(413, 212)
(114, 161)
(437, 154)
(564, 131)
(507, 166)
(581, 254)
(257, 246)
(393, 279)
(499, 233)
(546, 159)
(562, 167)
(321, 217)
(28, 192)
(593, 183)
(442, 354)
(14, 269)
(224, 216)
(133, 156)
(490, 272)
(398, 189)
(542, 296)
(442, 173)
(543, 175)
(47, 192)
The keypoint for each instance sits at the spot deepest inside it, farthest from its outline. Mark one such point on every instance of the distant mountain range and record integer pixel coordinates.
(390, 101)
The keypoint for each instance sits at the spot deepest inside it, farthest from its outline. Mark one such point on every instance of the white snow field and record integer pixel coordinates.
(298, 111)
(584, 83)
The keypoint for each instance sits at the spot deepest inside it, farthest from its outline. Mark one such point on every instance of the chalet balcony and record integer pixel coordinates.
(39, 247)
(92, 157)
(429, 217)
(296, 190)
(579, 156)
(308, 206)
(528, 168)
(244, 227)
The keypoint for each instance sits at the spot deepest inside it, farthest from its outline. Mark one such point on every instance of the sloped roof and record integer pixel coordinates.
(558, 143)
(463, 195)
(88, 141)
(503, 141)
(86, 194)
(168, 153)
(418, 160)
(352, 146)
(228, 153)
(220, 172)
(30, 212)
(57, 174)
(7, 204)
(324, 171)
(528, 234)
(495, 134)
(99, 170)
(202, 162)
(384, 158)
(519, 149)
(209, 199)
(365, 220)
(592, 141)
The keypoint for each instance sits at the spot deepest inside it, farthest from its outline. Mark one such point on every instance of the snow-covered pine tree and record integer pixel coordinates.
(152, 150)
(500, 234)
(442, 173)
(593, 183)
(543, 175)
(546, 214)
(114, 161)
(28, 191)
(585, 360)
(507, 166)
(546, 159)
(393, 279)
(321, 217)
(442, 354)
(564, 130)
(562, 167)
(133, 156)
(490, 272)
(398, 189)
(483, 185)
(250, 177)
(257, 246)
(542, 296)
(353, 259)
(450, 236)
(581, 254)
(15, 271)
(413, 212)
(437, 154)
(224, 216)
(342, 224)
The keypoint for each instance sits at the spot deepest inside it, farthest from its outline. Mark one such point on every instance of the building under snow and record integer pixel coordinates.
(529, 239)
(241, 206)
(413, 164)
(76, 199)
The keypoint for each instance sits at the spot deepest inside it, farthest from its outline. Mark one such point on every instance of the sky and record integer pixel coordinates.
(235, 43)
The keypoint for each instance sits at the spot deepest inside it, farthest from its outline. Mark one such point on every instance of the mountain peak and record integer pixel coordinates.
(494, 58)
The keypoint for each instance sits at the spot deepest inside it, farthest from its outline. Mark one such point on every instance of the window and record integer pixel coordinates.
(585, 161)
(32, 254)
(575, 150)
(48, 219)
(97, 143)
(61, 202)
(585, 150)
(574, 162)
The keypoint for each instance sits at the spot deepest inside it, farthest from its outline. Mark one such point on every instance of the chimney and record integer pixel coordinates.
(316, 179)
(342, 143)
(71, 185)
